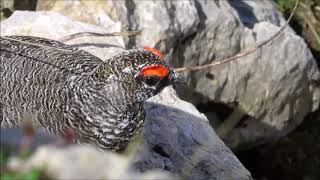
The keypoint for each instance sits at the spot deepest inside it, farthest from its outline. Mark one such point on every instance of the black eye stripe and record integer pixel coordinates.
(152, 80)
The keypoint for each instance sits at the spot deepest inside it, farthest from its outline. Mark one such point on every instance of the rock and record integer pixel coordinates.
(280, 89)
(251, 12)
(82, 162)
(274, 88)
(133, 16)
(176, 137)
(6, 8)
(36, 24)
(179, 138)
(95, 12)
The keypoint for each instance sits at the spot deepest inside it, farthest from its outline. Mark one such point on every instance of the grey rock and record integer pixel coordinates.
(275, 87)
(251, 12)
(279, 89)
(38, 23)
(179, 139)
(158, 19)
(176, 137)
(94, 12)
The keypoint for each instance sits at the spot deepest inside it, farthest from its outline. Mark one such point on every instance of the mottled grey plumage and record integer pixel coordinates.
(60, 87)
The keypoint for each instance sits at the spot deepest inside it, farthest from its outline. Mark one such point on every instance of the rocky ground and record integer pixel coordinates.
(253, 101)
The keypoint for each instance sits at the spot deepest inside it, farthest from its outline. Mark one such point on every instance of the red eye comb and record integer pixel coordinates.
(154, 70)
(154, 51)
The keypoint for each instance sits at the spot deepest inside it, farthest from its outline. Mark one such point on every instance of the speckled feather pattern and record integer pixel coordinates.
(102, 102)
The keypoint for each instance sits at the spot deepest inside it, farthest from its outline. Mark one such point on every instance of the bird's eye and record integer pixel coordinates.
(152, 80)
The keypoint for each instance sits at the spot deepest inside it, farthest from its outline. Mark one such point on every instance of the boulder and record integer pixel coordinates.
(176, 136)
(53, 25)
(274, 88)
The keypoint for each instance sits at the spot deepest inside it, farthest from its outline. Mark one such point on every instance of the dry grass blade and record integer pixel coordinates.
(242, 54)
(76, 35)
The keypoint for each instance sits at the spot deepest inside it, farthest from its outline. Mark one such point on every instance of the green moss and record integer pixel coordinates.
(285, 5)
(33, 174)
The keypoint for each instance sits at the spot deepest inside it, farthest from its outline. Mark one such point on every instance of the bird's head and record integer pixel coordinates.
(143, 71)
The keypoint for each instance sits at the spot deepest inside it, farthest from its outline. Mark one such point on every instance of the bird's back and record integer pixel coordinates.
(35, 76)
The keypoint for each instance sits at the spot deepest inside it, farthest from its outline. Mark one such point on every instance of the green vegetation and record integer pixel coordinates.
(33, 174)
(4, 155)
(306, 21)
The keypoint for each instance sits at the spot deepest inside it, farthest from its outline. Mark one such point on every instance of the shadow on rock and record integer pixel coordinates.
(185, 143)
(245, 13)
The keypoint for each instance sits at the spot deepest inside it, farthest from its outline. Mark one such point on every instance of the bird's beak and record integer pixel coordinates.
(176, 78)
